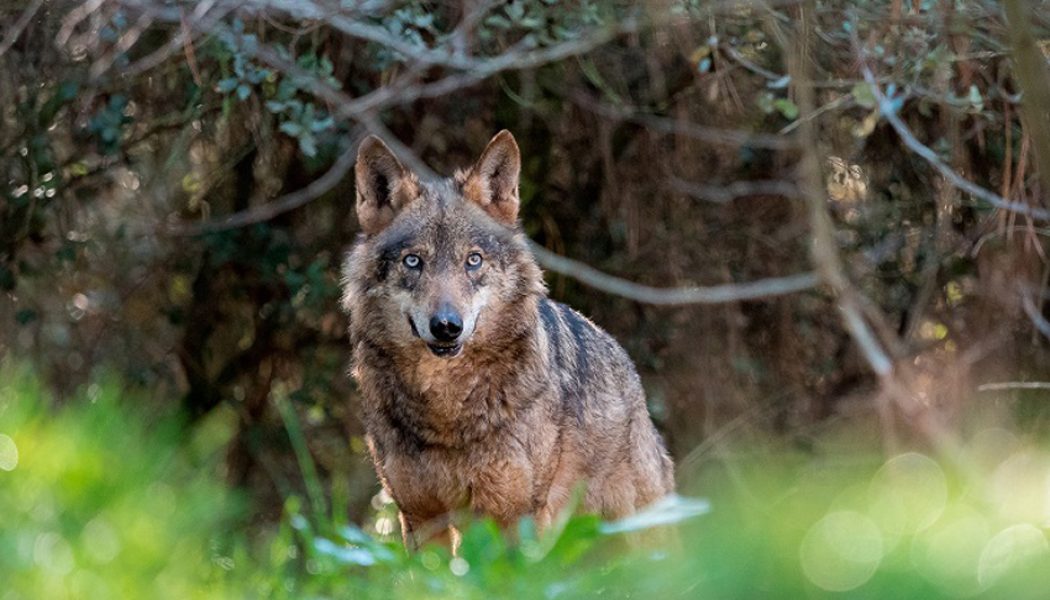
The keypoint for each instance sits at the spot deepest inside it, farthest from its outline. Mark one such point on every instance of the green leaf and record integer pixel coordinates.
(345, 554)
(975, 98)
(863, 95)
(765, 102)
(324, 124)
(666, 511)
(291, 128)
(227, 85)
(787, 108)
(308, 144)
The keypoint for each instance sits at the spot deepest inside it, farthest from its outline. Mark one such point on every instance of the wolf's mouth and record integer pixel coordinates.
(445, 351)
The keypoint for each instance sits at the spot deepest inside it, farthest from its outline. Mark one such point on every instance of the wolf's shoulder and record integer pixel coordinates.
(575, 338)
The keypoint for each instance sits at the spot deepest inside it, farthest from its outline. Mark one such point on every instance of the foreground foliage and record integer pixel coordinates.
(98, 502)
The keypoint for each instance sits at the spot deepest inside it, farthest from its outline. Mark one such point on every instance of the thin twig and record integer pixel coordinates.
(742, 60)
(1033, 313)
(188, 50)
(1014, 385)
(197, 24)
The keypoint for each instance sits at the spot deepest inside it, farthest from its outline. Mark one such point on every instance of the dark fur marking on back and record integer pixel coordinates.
(550, 324)
(573, 390)
(584, 337)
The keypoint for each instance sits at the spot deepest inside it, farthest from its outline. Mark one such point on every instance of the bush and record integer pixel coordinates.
(97, 503)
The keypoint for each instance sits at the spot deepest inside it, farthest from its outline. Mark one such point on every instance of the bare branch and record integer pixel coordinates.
(265, 212)
(75, 18)
(16, 29)
(733, 292)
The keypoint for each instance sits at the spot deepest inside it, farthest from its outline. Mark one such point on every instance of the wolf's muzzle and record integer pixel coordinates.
(446, 325)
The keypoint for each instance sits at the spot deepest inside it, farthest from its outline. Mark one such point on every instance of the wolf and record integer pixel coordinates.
(479, 393)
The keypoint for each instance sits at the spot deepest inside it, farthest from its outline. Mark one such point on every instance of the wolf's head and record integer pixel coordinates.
(439, 264)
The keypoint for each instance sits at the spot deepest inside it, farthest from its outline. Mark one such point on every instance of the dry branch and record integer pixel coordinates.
(824, 249)
(732, 292)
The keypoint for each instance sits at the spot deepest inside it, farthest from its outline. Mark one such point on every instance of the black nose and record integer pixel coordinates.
(446, 324)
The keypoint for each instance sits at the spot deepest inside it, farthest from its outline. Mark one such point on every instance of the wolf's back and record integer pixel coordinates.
(602, 395)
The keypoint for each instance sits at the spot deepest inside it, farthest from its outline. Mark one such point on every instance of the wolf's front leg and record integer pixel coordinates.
(417, 531)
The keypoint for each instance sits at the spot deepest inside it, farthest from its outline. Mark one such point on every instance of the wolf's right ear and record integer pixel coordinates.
(384, 185)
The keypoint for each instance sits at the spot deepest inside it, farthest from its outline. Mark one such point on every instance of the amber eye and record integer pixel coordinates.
(473, 260)
(412, 261)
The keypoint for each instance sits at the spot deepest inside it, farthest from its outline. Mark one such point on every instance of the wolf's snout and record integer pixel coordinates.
(446, 324)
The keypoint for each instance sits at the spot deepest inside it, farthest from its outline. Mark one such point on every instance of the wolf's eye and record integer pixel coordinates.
(473, 260)
(412, 261)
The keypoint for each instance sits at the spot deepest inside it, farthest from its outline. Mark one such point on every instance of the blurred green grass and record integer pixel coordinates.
(98, 500)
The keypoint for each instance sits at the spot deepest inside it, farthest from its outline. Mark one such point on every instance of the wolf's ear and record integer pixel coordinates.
(384, 186)
(493, 181)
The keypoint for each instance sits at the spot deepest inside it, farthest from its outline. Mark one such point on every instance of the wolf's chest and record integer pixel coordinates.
(436, 482)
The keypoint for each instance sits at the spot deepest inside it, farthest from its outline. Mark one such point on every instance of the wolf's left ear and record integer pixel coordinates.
(492, 182)
(384, 185)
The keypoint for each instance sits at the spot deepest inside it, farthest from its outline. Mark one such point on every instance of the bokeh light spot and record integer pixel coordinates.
(458, 566)
(101, 540)
(948, 552)
(8, 453)
(1010, 548)
(1020, 485)
(908, 494)
(52, 553)
(841, 551)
